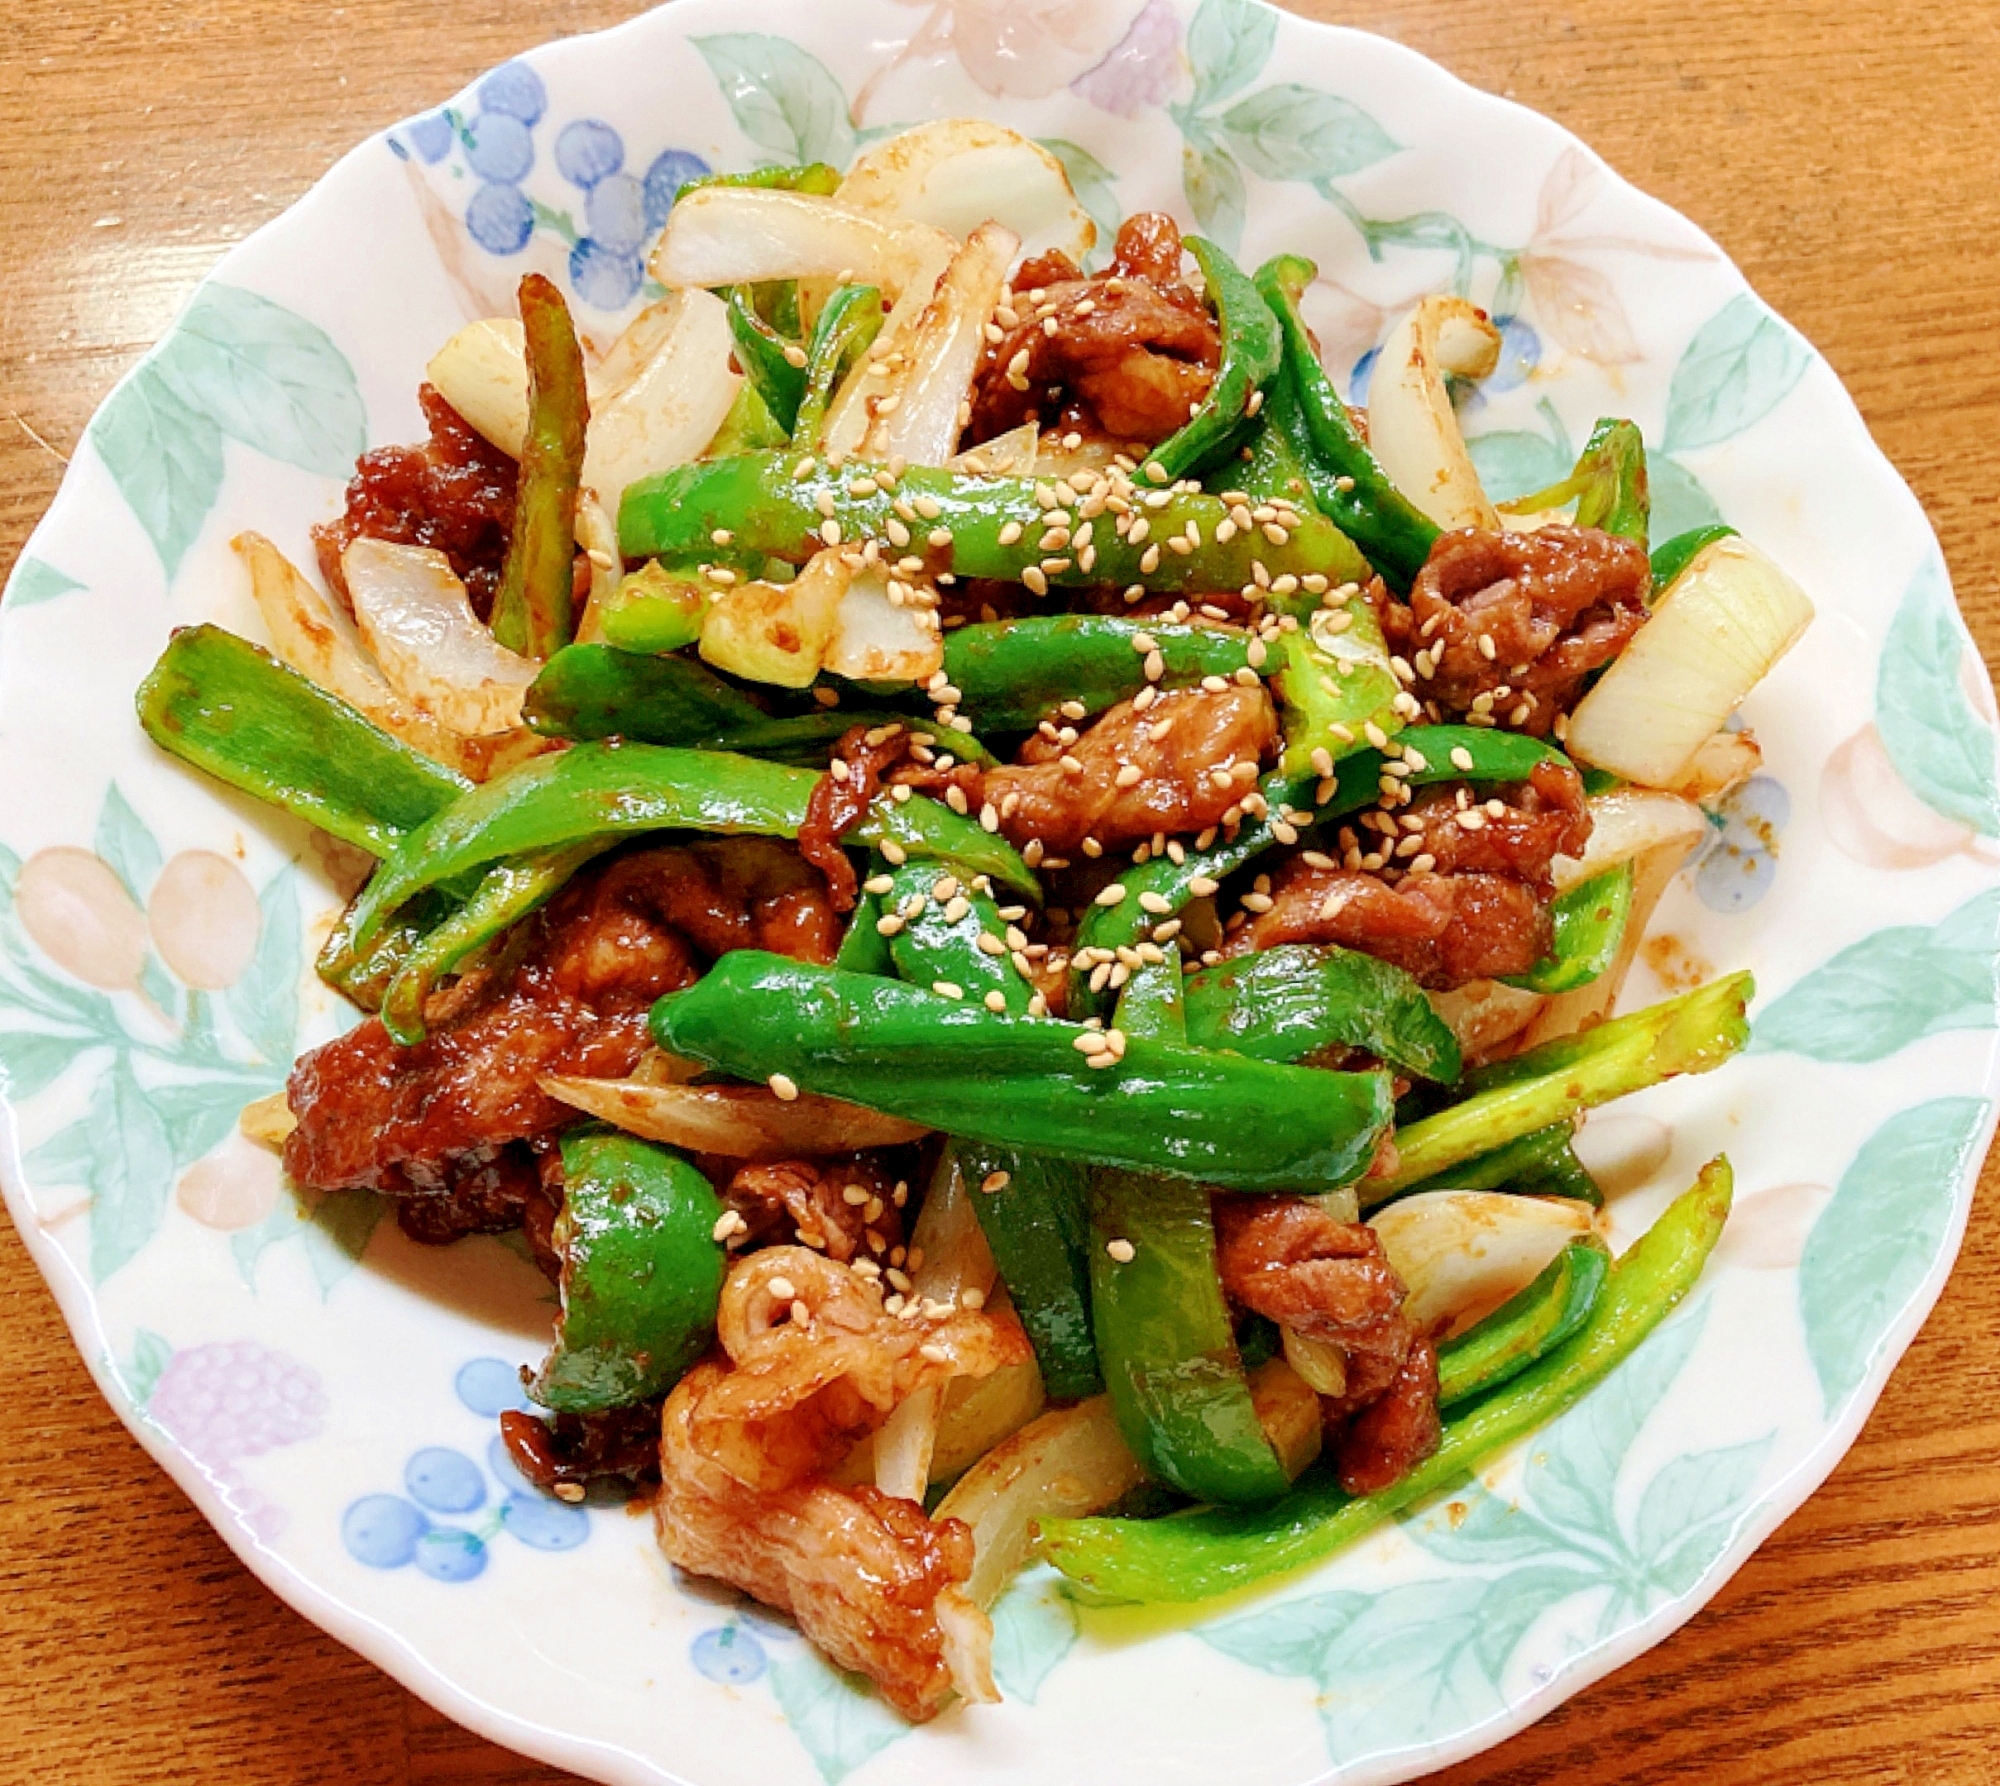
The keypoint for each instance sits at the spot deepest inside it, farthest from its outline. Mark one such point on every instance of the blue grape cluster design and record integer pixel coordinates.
(441, 1484)
(622, 210)
(1736, 868)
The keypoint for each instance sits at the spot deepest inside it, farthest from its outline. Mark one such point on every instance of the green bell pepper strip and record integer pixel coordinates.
(1291, 1002)
(534, 609)
(848, 323)
(1541, 1163)
(1166, 1341)
(1608, 484)
(641, 1272)
(617, 790)
(1589, 925)
(760, 351)
(933, 948)
(653, 609)
(234, 711)
(1694, 1033)
(1442, 753)
(1037, 1226)
(1329, 684)
(1528, 1326)
(864, 949)
(509, 892)
(1200, 1555)
(1022, 1081)
(770, 513)
(1013, 673)
(1670, 559)
(1252, 351)
(363, 977)
(749, 427)
(818, 178)
(1369, 509)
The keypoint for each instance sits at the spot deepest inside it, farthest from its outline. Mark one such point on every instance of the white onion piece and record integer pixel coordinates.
(308, 635)
(742, 1122)
(848, 416)
(1009, 455)
(268, 1121)
(597, 534)
(957, 173)
(916, 414)
(665, 406)
(1066, 1464)
(1726, 761)
(981, 1411)
(877, 640)
(1627, 823)
(414, 617)
(482, 372)
(1461, 1254)
(777, 632)
(951, 1256)
(1483, 1014)
(1713, 637)
(742, 235)
(967, 1647)
(1287, 1408)
(1411, 424)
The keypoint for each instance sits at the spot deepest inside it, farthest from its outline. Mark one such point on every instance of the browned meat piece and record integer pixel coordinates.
(1178, 764)
(1134, 346)
(840, 799)
(1510, 624)
(1329, 1281)
(568, 1452)
(455, 494)
(808, 1201)
(1396, 1431)
(865, 1574)
(1469, 900)
(569, 993)
(485, 1191)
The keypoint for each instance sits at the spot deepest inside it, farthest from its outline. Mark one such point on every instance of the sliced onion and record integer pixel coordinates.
(1715, 634)
(1461, 1254)
(1726, 761)
(308, 635)
(848, 416)
(1318, 1362)
(414, 617)
(1483, 1014)
(741, 235)
(879, 640)
(1288, 1410)
(1009, 455)
(741, 1122)
(777, 632)
(597, 535)
(917, 415)
(967, 1647)
(664, 399)
(957, 173)
(981, 1411)
(268, 1121)
(482, 372)
(1411, 424)
(1628, 823)
(1066, 1464)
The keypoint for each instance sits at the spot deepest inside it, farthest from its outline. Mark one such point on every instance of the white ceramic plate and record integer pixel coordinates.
(325, 1390)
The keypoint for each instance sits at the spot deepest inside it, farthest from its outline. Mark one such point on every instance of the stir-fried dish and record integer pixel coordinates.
(1021, 905)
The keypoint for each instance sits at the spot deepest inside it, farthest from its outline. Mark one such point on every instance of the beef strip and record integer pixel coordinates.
(1132, 354)
(455, 494)
(566, 1453)
(808, 1201)
(840, 800)
(1511, 624)
(1290, 1261)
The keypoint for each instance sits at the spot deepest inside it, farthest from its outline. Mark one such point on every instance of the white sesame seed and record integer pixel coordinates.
(1121, 1250)
(784, 1088)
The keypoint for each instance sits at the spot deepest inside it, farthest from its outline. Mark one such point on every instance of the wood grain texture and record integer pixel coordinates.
(1843, 155)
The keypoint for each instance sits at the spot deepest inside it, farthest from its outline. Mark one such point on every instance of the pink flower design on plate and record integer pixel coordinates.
(1015, 49)
(234, 1399)
(1142, 70)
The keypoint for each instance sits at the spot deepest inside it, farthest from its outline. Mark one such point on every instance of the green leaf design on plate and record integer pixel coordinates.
(1214, 186)
(1684, 1517)
(1289, 132)
(29, 1061)
(1679, 501)
(131, 1169)
(1740, 365)
(1938, 742)
(36, 580)
(267, 377)
(64, 1158)
(265, 1001)
(141, 1372)
(1881, 994)
(1880, 1234)
(165, 458)
(1228, 43)
(1093, 184)
(837, 1716)
(126, 846)
(1517, 463)
(335, 1230)
(784, 99)
(199, 1116)
(1034, 1628)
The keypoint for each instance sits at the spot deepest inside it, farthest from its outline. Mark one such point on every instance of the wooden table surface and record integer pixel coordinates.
(1844, 155)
